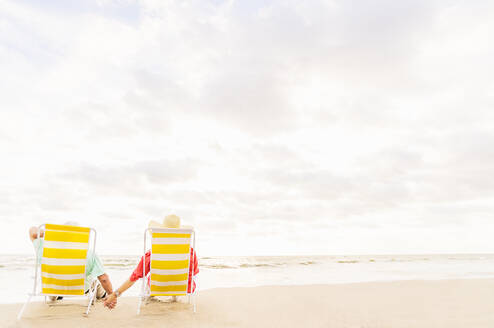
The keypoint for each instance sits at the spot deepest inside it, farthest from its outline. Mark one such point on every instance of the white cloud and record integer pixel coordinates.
(315, 127)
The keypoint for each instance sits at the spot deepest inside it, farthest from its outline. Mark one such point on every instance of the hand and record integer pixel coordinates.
(111, 301)
(112, 304)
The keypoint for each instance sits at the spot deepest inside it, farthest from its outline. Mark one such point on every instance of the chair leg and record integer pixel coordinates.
(23, 308)
(145, 293)
(92, 294)
(139, 305)
(194, 301)
(188, 298)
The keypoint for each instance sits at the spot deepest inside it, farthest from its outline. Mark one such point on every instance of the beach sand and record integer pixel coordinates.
(412, 304)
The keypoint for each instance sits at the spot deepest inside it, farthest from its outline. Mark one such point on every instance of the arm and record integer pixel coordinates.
(106, 283)
(33, 233)
(111, 301)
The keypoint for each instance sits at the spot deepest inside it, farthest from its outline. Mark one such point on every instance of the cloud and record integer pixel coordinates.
(153, 172)
(251, 118)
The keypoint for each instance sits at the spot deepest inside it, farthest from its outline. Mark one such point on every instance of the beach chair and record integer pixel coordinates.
(170, 262)
(63, 264)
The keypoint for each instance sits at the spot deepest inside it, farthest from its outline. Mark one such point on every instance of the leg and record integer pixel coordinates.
(100, 292)
(55, 298)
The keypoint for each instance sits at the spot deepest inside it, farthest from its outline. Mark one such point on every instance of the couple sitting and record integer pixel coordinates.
(95, 269)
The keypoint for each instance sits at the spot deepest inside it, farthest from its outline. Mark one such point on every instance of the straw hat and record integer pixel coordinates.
(170, 221)
(71, 223)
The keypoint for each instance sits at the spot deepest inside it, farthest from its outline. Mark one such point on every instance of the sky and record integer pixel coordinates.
(272, 127)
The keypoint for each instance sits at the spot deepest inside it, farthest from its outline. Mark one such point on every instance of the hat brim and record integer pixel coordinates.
(155, 224)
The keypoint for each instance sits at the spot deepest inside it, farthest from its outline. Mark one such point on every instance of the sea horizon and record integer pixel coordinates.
(251, 271)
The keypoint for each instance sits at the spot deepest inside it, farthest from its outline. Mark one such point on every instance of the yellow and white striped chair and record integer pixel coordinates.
(63, 262)
(170, 262)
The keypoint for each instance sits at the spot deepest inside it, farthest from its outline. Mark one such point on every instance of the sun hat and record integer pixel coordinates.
(170, 221)
(71, 223)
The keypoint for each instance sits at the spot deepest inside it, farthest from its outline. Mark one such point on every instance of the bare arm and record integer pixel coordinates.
(33, 233)
(106, 283)
(111, 300)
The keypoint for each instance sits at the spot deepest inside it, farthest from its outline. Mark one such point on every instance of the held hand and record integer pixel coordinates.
(112, 304)
(111, 301)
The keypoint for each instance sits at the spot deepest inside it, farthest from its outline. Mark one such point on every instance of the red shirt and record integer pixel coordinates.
(193, 266)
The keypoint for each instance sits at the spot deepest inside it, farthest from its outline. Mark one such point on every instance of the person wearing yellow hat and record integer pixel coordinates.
(170, 221)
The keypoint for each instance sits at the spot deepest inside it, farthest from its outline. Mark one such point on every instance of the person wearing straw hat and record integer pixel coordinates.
(170, 221)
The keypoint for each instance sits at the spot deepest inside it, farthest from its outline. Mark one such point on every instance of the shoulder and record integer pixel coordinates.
(95, 266)
(93, 259)
(38, 242)
(93, 256)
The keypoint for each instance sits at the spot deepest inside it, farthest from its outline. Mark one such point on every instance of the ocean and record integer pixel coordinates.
(17, 271)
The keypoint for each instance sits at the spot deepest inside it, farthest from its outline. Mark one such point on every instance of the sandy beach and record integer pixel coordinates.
(447, 303)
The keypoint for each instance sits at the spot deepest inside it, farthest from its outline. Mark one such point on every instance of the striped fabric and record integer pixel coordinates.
(170, 257)
(63, 264)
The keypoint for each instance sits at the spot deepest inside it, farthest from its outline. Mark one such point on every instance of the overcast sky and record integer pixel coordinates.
(272, 127)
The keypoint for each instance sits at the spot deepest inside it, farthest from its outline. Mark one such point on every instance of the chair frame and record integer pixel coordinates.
(144, 293)
(37, 265)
